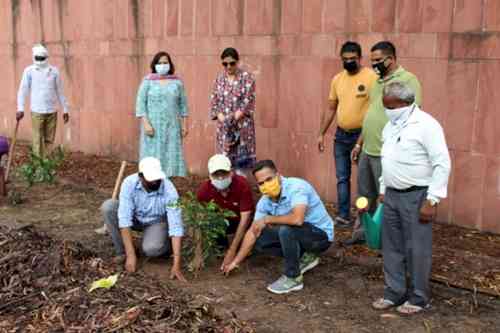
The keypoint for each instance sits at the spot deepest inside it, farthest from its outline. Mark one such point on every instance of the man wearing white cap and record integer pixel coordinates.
(46, 87)
(147, 202)
(231, 192)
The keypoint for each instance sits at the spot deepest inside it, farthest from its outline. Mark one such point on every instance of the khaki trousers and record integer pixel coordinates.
(44, 132)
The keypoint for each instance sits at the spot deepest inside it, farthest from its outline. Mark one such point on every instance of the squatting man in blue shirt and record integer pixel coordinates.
(290, 221)
(148, 203)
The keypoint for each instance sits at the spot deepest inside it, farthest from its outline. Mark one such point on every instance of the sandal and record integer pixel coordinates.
(342, 223)
(383, 304)
(409, 309)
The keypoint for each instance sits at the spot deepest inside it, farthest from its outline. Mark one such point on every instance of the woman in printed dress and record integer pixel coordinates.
(162, 107)
(233, 107)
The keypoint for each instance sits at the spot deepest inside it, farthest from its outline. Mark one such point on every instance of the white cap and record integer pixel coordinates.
(150, 167)
(40, 50)
(219, 162)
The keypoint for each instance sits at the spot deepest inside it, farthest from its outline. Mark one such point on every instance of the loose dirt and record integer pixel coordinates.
(337, 294)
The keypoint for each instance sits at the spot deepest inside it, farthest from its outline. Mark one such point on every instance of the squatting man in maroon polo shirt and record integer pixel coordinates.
(232, 192)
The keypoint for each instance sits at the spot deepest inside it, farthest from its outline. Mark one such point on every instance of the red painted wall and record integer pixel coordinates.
(103, 48)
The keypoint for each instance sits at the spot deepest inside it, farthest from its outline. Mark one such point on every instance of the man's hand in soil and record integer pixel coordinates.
(131, 263)
(230, 267)
(176, 273)
(228, 258)
(428, 212)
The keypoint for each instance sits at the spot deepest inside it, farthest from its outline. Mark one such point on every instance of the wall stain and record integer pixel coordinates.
(40, 12)
(14, 8)
(136, 16)
(61, 6)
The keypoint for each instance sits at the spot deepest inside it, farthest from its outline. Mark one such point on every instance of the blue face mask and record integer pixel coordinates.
(221, 184)
(162, 69)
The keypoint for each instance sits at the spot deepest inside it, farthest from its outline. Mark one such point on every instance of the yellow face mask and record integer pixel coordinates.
(271, 188)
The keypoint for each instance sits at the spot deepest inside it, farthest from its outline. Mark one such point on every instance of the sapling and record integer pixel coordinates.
(206, 223)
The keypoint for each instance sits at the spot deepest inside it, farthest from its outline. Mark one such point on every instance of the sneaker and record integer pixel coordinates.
(308, 262)
(285, 285)
(342, 223)
(102, 230)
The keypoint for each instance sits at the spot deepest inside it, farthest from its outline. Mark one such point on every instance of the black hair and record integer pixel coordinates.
(350, 46)
(230, 52)
(386, 47)
(264, 164)
(157, 58)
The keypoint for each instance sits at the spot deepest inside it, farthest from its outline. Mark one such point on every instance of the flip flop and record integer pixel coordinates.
(383, 304)
(409, 309)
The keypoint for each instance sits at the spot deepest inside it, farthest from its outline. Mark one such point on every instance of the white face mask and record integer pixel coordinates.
(221, 184)
(395, 115)
(162, 69)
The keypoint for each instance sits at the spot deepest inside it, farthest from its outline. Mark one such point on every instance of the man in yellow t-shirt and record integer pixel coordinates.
(349, 101)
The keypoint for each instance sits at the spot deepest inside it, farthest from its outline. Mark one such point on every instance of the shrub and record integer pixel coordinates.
(42, 170)
(205, 222)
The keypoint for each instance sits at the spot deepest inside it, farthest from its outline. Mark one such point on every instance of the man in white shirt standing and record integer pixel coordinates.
(44, 82)
(415, 170)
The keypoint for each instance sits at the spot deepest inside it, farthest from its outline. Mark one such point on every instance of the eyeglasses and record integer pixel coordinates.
(231, 63)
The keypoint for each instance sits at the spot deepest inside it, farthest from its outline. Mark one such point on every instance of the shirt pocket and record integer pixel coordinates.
(407, 147)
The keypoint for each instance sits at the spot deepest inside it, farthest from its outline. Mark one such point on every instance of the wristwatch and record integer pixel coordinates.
(433, 202)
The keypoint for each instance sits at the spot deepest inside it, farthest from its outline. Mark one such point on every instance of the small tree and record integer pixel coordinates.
(206, 222)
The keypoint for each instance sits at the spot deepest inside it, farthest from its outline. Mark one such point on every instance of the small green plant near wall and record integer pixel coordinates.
(42, 170)
(205, 222)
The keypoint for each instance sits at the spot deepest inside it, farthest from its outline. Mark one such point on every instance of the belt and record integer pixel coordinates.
(410, 189)
(354, 130)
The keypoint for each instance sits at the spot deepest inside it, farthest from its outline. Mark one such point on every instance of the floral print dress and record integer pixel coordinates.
(163, 105)
(235, 139)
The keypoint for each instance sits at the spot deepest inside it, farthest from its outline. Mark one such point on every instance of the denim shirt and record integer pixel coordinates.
(294, 192)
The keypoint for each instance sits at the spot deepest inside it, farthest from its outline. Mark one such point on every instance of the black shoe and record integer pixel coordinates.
(352, 241)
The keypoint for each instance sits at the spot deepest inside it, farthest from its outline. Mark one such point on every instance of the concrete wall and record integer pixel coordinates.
(103, 48)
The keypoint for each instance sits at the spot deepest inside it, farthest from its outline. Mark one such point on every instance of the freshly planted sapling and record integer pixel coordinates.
(206, 223)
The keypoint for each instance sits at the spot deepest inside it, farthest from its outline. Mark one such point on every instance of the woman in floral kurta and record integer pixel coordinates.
(162, 105)
(233, 106)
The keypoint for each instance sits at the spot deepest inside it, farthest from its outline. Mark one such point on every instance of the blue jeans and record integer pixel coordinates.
(344, 144)
(291, 242)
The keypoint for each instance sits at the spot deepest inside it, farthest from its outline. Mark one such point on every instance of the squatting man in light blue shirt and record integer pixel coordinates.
(290, 221)
(148, 203)
(44, 85)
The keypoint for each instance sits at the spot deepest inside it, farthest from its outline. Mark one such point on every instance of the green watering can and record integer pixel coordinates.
(371, 224)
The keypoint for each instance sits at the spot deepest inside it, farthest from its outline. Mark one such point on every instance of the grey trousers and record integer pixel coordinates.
(155, 241)
(369, 172)
(406, 248)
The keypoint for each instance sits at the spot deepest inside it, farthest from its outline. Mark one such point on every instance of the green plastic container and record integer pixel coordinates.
(373, 228)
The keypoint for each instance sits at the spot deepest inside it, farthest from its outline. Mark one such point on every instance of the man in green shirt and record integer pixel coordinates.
(367, 150)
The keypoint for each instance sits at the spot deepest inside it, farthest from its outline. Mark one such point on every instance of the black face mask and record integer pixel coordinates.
(40, 58)
(380, 68)
(351, 66)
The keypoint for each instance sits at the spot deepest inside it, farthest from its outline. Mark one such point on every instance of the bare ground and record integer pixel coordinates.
(337, 294)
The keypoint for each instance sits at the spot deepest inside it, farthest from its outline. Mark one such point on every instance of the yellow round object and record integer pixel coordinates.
(362, 203)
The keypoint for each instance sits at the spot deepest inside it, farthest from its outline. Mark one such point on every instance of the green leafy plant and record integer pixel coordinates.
(206, 222)
(42, 170)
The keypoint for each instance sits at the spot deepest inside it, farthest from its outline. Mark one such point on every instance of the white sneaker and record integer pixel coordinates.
(102, 230)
